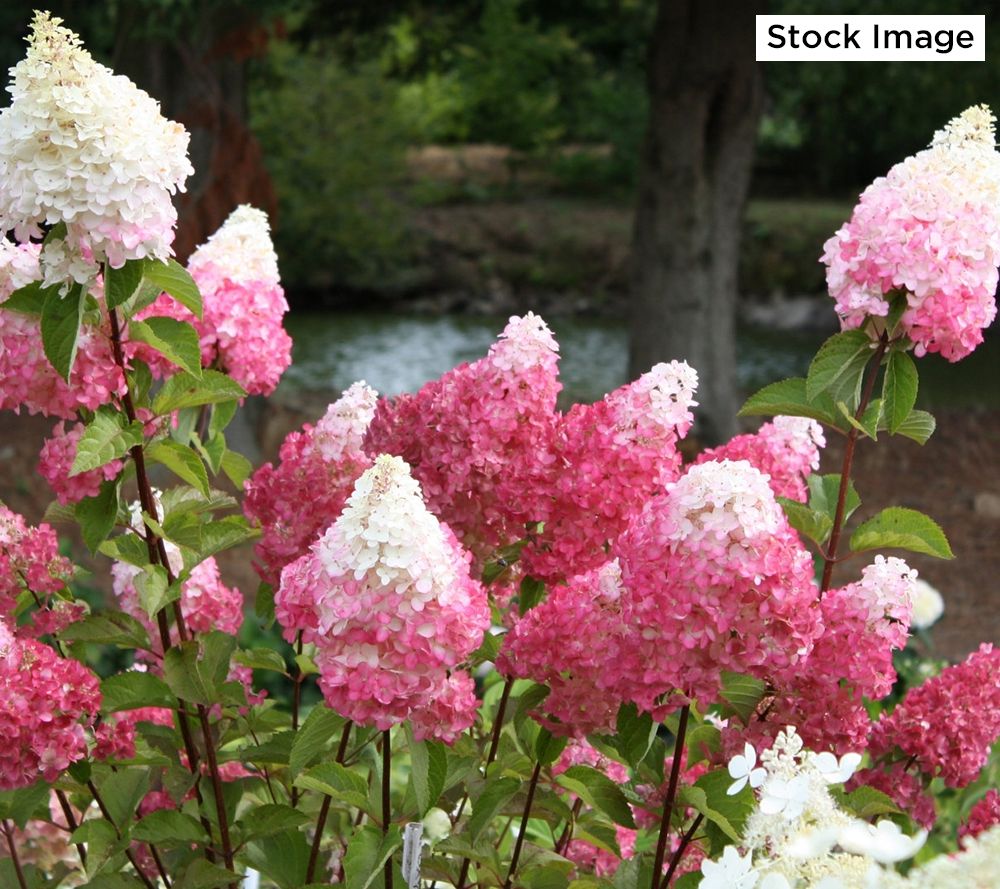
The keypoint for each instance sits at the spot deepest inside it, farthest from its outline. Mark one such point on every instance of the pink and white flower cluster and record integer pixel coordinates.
(241, 329)
(931, 230)
(386, 596)
(295, 501)
(82, 146)
(55, 464)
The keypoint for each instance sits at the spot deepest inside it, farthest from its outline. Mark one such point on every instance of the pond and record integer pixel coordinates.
(398, 353)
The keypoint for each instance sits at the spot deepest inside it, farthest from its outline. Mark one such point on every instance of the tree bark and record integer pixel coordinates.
(705, 96)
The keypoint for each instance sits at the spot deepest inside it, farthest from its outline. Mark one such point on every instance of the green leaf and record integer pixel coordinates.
(184, 390)
(182, 461)
(337, 782)
(263, 605)
(29, 300)
(530, 593)
(236, 467)
(367, 853)
(107, 437)
(269, 819)
(129, 547)
(222, 414)
(824, 490)
(496, 794)
(169, 827)
(742, 693)
(108, 628)
(122, 792)
(174, 279)
(870, 420)
(61, 320)
(212, 450)
(599, 792)
(549, 747)
(263, 659)
(201, 874)
(904, 529)
(283, 857)
(177, 341)
(120, 285)
(727, 814)
(634, 735)
(20, 805)
(839, 365)
(899, 390)
(788, 398)
(808, 522)
(320, 731)
(185, 677)
(919, 426)
(96, 515)
(155, 593)
(131, 690)
(865, 802)
(703, 742)
(429, 769)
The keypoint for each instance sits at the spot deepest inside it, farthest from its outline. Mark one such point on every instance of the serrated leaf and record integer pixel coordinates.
(177, 341)
(184, 390)
(169, 827)
(429, 769)
(824, 490)
(367, 853)
(530, 593)
(808, 522)
(174, 279)
(109, 628)
(899, 390)
(29, 300)
(742, 693)
(709, 797)
(120, 285)
(549, 747)
(634, 734)
(20, 805)
(703, 742)
(870, 420)
(201, 874)
(599, 792)
(60, 327)
(897, 527)
(155, 593)
(222, 414)
(269, 819)
(107, 437)
(97, 514)
(865, 802)
(186, 679)
(337, 782)
(495, 795)
(919, 426)
(131, 690)
(317, 734)
(788, 398)
(839, 364)
(129, 548)
(182, 461)
(282, 857)
(262, 659)
(122, 792)
(236, 467)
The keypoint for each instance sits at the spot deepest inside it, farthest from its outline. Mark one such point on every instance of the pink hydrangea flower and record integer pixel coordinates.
(46, 703)
(29, 560)
(56, 461)
(949, 723)
(931, 230)
(903, 787)
(299, 498)
(983, 815)
(478, 437)
(241, 329)
(715, 580)
(394, 607)
(786, 450)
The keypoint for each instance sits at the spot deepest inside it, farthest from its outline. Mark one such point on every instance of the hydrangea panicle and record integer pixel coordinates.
(56, 462)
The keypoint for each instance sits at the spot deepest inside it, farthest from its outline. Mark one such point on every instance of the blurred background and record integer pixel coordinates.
(433, 166)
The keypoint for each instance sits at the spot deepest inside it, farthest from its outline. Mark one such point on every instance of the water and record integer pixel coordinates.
(399, 353)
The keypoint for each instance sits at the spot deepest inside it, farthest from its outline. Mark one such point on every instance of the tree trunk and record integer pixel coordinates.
(705, 95)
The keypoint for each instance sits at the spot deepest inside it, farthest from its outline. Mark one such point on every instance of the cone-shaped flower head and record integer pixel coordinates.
(394, 607)
(930, 229)
(83, 146)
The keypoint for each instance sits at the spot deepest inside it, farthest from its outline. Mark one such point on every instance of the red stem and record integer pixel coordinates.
(675, 860)
(8, 832)
(524, 824)
(325, 808)
(668, 804)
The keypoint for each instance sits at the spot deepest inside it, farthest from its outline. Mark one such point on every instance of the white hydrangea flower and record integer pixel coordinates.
(732, 871)
(883, 842)
(742, 769)
(82, 146)
(341, 430)
(928, 605)
(788, 798)
(525, 342)
(240, 249)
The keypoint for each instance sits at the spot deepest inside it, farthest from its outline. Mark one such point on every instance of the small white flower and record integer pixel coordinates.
(786, 797)
(812, 842)
(884, 842)
(835, 772)
(774, 881)
(741, 768)
(732, 871)
(928, 605)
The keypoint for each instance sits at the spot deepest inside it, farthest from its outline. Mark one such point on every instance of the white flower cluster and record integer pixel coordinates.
(525, 342)
(802, 436)
(725, 502)
(659, 402)
(240, 249)
(928, 605)
(388, 536)
(888, 585)
(18, 266)
(85, 147)
(798, 836)
(342, 428)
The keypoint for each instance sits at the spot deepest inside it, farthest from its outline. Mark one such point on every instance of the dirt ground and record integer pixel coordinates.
(955, 478)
